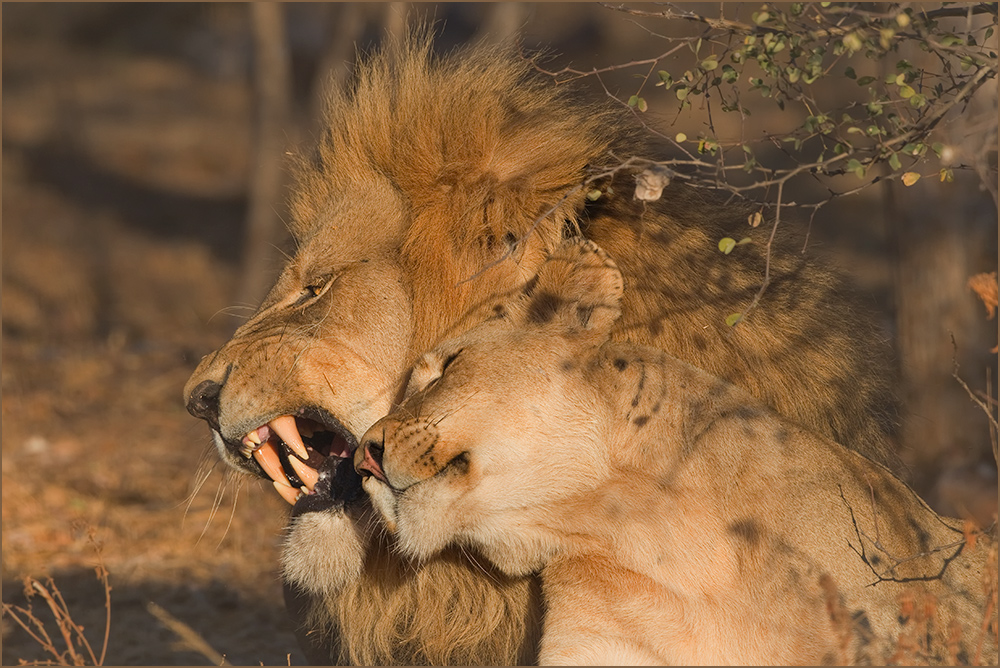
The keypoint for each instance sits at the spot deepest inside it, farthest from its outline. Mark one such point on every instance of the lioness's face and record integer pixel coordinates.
(500, 421)
(490, 427)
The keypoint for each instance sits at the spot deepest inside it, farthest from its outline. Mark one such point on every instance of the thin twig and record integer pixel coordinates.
(972, 395)
(767, 259)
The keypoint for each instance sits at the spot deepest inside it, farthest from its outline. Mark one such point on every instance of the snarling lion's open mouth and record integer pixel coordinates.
(304, 454)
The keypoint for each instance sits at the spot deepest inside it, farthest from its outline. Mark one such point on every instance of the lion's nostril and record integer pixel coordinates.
(372, 462)
(204, 402)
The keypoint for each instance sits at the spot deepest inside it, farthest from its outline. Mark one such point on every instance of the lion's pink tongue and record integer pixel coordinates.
(341, 448)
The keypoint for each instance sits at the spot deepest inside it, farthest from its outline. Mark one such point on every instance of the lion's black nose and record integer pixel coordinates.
(204, 402)
(372, 462)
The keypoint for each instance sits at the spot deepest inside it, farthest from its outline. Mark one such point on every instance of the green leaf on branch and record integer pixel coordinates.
(637, 102)
(733, 318)
(910, 178)
(855, 167)
(727, 244)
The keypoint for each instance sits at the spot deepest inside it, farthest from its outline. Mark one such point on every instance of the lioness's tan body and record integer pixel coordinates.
(676, 520)
(438, 187)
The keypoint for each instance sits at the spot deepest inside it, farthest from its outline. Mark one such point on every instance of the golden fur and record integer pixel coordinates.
(439, 186)
(675, 519)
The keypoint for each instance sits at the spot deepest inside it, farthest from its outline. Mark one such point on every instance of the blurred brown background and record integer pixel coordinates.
(131, 138)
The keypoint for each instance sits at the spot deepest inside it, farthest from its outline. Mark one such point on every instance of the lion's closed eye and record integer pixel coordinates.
(313, 290)
(448, 360)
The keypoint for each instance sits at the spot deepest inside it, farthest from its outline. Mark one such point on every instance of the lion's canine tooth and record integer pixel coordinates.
(284, 426)
(288, 493)
(307, 474)
(267, 457)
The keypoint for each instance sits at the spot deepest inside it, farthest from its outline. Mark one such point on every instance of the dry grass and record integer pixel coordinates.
(78, 649)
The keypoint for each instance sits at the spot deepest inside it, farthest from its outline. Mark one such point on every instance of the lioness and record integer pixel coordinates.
(439, 186)
(675, 519)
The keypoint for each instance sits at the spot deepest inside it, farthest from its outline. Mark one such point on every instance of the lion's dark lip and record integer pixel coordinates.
(339, 486)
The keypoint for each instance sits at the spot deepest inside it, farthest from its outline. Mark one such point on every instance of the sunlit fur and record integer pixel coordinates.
(675, 519)
(438, 187)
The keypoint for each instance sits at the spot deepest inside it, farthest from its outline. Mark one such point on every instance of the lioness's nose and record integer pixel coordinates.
(204, 402)
(371, 463)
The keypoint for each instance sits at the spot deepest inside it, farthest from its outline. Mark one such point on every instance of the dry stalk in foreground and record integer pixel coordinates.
(78, 649)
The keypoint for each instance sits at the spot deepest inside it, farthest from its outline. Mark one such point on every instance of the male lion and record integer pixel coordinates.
(440, 185)
(675, 519)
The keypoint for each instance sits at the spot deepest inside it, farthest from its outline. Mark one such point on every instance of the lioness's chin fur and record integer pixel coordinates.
(675, 519)
(438, 189)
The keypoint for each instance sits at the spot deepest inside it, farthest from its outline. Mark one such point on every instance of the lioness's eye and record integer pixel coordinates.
(426, 372)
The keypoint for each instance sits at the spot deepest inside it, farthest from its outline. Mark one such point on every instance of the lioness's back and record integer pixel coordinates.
(806, 520)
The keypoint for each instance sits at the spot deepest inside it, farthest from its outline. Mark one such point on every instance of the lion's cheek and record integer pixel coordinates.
(323, 552)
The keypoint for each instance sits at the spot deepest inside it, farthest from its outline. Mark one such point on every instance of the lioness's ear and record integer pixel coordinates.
(578, 287)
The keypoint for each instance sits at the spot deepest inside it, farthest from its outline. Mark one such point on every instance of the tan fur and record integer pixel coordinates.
(438, 188)
(674, 518)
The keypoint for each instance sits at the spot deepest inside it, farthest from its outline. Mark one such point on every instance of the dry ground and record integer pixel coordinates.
(124, 172)
(122, 198)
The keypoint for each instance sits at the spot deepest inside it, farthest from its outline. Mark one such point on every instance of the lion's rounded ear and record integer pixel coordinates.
(578, 287)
